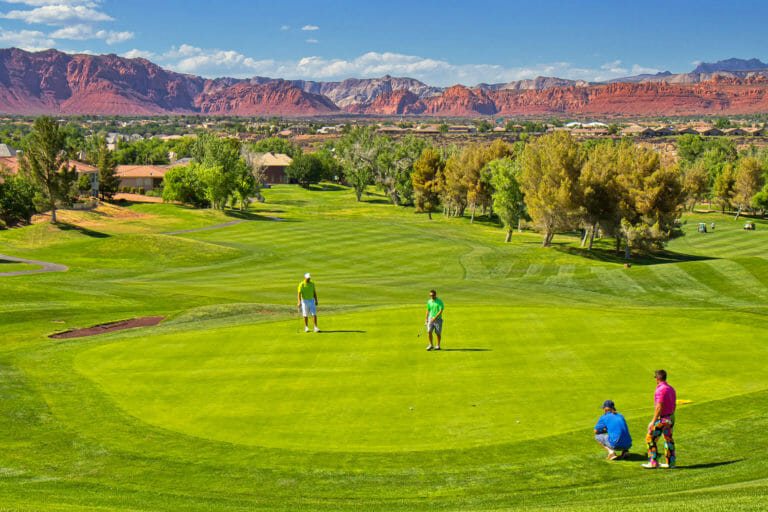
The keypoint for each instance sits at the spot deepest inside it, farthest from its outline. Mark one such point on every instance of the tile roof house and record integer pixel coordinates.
(274, 165)
(148, 177)
(7, 151)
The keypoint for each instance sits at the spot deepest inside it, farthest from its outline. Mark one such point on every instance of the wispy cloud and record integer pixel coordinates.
(312, 41)
(216, 63)
(58, 15)
(82, 32)
(310, 27)
(285, 27)
(30, 40)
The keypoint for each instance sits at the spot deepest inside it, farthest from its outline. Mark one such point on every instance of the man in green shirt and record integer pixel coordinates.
(308, 301)
(434, 319)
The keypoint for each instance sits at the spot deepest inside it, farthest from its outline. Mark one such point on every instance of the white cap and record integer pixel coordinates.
(307, 276)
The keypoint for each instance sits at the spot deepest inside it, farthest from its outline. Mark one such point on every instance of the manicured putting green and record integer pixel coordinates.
(506, 374)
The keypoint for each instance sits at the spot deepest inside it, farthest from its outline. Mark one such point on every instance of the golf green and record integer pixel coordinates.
(229, 405)
(366, 384)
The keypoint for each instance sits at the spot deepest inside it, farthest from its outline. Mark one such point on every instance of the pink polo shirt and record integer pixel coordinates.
(667, 396)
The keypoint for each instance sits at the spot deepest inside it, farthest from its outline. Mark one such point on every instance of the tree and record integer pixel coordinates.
(426, 181)
(183, 184)
(550, 176)
(17, 196)
(306, 169)
(508, 195)
(220, 164)
(406, 153)
(652, 196)
(723, 187)
(695, 183)
(109, 182)
(601, 193)
(749, 181)
(358, 153)
(246, 185)
(722, 123)
(276, 145)
(45, 162)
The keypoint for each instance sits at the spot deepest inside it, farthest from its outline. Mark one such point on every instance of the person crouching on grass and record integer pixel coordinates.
(308, 301)
(612, 433)
(434, 319)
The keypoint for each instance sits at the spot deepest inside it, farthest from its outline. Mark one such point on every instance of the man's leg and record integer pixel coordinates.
(429, 334)
(669, 444)
(650, 440)
(438, 341)
(314, 319)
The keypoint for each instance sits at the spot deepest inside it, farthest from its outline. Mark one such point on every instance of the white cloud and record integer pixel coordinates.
(82, 32)
(284, 27)
(135, 53)
(312, 41)
(59, 15)
(40, 3)
(30, 40)
(640, 70)
(310, 27)
(216, 63)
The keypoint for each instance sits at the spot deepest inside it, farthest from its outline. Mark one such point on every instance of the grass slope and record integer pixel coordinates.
(225, 406)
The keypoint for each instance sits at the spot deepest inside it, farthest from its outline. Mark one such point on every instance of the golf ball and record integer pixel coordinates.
(411, 408)
(518, 421)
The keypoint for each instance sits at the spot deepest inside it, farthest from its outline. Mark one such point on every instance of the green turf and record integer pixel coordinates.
(225, 406)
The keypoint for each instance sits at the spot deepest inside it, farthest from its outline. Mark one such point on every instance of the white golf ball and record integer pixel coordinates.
(518, 421)
(411, 408)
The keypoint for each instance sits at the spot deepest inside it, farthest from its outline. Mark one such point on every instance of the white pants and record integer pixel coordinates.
(308, 307)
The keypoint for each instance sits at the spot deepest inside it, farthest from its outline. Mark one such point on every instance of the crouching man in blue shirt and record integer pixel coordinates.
(612, 433)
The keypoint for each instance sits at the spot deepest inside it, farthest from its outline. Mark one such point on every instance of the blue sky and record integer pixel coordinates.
(441, 43)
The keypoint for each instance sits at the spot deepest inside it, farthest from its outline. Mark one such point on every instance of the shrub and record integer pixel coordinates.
(133, 190)
(141, 190)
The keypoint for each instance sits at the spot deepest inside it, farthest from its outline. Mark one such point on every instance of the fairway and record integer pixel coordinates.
(229, 405)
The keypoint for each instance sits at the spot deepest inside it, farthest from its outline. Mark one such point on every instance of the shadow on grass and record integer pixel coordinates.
(465, 350)
(609, 256)
(66, 226)
(327, 187)
(710, 464)
(635, 457)
(331, 332)
(237, 214)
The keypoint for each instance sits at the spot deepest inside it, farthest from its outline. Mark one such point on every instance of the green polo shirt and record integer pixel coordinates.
(307, 290)
(434, 307)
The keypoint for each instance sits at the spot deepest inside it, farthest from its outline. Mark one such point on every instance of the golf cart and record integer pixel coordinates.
(702, 227)
(749, 225)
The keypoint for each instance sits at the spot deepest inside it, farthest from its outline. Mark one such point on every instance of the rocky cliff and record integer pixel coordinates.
(724, 95)
(53, 82)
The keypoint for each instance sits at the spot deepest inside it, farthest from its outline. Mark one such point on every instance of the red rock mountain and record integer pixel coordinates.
(719, 96)
(278, 97)
(52, 82)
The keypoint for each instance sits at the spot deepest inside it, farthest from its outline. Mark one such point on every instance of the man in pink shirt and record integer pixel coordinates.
(662, 424)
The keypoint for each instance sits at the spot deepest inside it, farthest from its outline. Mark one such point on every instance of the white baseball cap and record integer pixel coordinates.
(307, 276)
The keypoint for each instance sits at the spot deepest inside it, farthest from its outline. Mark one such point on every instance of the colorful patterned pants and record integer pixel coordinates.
(663, 426)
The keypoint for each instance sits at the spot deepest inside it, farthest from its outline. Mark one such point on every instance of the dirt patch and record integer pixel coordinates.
(146, 321)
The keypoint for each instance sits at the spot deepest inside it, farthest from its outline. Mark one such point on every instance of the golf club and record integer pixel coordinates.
(422, 331)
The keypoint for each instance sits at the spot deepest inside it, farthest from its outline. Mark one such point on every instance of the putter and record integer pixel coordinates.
(422, 331)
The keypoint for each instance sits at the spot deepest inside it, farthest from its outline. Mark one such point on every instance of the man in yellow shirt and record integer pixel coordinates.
(308, 301)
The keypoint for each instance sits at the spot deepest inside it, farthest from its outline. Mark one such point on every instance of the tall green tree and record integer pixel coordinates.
(508, 199)
(46, 162)
(183, 184)
(276, 145)
(695, 182)
(358, 153)
(550, 181)
(104, 160)
(724, 185)
(601, 194)
(306, 169)
(426, 181)
(17, 195)
(749, 181)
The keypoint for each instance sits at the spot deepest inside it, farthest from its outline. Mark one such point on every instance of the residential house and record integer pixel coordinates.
(688, 130)
(755, 132)
(709, 131)
(148, 177)
(7, 151)
(664, 131)
(273, 165)
(736, 132)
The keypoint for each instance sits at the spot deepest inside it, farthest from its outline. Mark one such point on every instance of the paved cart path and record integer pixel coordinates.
(46, 266)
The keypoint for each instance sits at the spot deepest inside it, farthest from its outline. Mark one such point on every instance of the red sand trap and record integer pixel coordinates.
(146, 321)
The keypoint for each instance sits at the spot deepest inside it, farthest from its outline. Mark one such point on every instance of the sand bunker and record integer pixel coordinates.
(146, 321)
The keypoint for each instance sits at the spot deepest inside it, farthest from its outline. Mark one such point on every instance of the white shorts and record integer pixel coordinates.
(308, 307)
